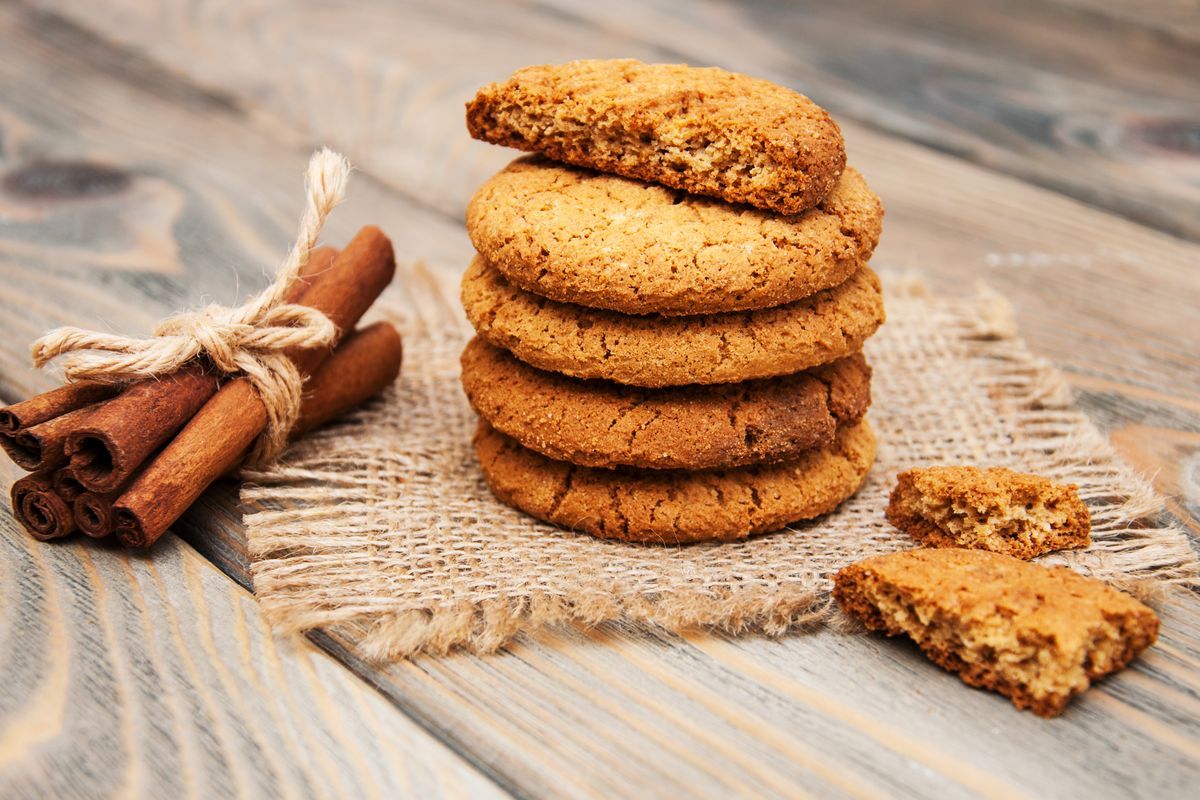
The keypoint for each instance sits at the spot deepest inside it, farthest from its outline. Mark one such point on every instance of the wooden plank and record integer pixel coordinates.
(1033, 89)
(1179, 19)
(132, 676)
(586, 713)
(820, 713)
(1076, 277)
(173, 224)
(148, 676)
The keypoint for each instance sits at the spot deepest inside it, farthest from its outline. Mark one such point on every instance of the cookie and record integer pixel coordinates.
(674, 507)
(989, 509)
(603, 424)
(673, 351)
(1036, 635)
(702, 130)
(601, 241)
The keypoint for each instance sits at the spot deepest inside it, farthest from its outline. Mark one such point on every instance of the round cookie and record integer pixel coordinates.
(669, 507)
(701, 129)
(603, 424)
(674, 351)
(602, 241)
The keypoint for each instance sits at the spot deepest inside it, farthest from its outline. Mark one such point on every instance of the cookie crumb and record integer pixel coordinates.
(994, 509)
(1036, 635)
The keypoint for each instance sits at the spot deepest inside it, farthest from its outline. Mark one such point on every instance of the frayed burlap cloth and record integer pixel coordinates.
(384, 521)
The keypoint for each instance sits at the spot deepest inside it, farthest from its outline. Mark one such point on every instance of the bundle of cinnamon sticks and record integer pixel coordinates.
(130, 459)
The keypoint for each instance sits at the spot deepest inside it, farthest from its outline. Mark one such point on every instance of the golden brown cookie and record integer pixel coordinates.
(600, 241)
(673, 351)
(989, 509)
(603, 424)
(703, 130)
(673, 507)
(1038, 636)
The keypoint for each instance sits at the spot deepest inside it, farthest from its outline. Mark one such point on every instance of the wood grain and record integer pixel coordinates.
(1033, 89)
(1174, 18)
(623, 705)
(131, 676)
(207, 110)
(128, 675)
(1079, 280)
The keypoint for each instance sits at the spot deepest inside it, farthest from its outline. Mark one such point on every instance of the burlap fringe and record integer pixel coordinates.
(1060, 442)
(1049, 435)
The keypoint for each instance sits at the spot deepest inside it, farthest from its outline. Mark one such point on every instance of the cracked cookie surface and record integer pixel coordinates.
(655, 351)
(601, 241)
(1037, 635)
(674, 507)
(701, 129)
(602, 424)
(994, 509)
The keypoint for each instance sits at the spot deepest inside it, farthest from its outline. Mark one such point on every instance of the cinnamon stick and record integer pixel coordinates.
(105, 453)
(41, 446)
(55, 403)
(106, 444)
(67, 485)
(39, 508)
(221, 432)
(94, 513)
(122, 432)
(319, 260)
(363, 364)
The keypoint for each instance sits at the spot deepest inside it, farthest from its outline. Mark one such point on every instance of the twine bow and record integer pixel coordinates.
(250, 340)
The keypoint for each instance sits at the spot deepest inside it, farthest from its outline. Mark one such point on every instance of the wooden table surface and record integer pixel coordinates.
(150, 156)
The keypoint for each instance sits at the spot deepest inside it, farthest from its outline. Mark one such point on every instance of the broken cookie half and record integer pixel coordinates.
(1036, 635)
(989, 509)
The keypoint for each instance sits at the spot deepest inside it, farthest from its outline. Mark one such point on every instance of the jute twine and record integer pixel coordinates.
(249, 340)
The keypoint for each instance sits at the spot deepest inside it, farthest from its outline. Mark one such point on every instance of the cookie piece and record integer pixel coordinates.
(989, 509)
(602, 424)
(703, 130)
(597, 240)
(674, 507)
(673, 351)
(1036, 635)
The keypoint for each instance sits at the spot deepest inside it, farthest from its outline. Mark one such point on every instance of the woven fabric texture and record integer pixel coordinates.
(383, 519)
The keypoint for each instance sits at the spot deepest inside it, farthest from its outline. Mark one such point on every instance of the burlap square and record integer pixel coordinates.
(383, 519)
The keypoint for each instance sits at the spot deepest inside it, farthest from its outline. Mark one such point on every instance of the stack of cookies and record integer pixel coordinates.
(671, 298)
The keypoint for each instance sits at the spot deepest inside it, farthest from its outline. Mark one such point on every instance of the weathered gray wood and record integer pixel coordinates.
(1076, 277)
(1095, 105)
(155, 676)
(1175, 18)
(823, 713)
(213, 175)
(127, 676)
